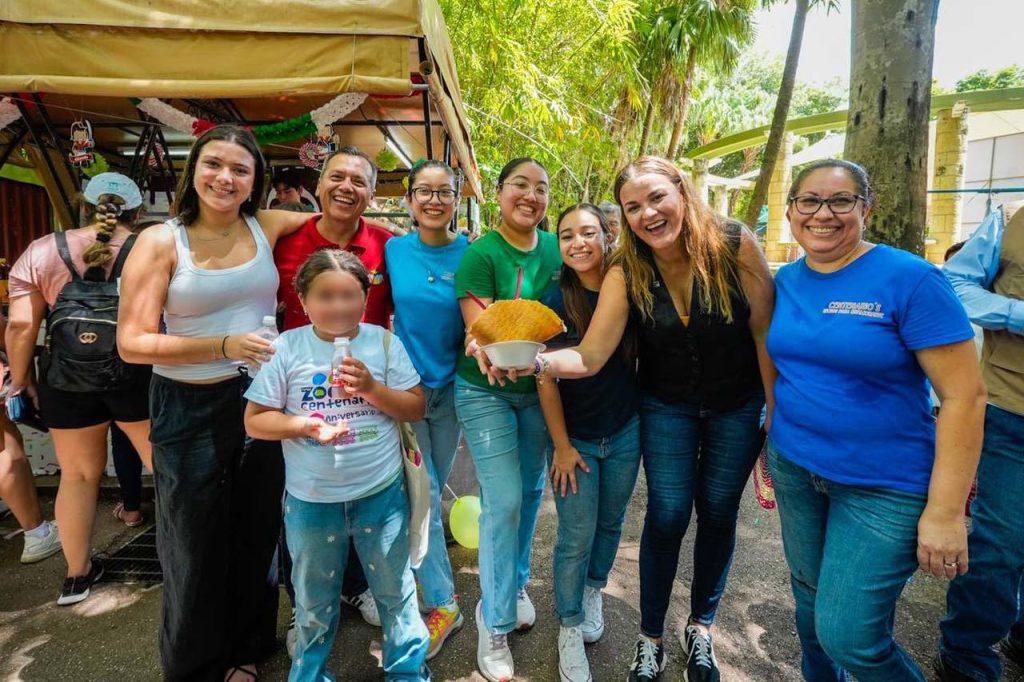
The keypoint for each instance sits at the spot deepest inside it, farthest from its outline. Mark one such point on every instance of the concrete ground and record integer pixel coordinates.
(112, 635)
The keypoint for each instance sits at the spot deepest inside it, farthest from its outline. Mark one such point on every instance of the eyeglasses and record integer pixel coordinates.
(425, 194)
(841, 204)
(524, 188)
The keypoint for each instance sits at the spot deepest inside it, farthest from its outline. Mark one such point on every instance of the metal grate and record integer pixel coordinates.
(136, 562)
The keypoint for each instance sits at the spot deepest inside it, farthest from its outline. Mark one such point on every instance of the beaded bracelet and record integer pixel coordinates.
(540, 368)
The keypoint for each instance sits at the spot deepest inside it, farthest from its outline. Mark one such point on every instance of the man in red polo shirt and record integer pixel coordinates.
(344, 191)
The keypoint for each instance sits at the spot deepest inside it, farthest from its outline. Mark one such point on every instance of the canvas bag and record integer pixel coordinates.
(417, 480)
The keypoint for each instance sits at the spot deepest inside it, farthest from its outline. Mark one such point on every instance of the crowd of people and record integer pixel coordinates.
(682, 354)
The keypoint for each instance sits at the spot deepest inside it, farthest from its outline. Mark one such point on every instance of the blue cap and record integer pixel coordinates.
(116, 184)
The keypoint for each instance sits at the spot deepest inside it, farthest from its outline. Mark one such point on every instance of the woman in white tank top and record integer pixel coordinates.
(210, 275)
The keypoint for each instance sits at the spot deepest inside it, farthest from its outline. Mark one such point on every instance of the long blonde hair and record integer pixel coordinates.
(713, 260)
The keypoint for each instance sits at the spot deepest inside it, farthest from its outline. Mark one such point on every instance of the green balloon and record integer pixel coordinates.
(464, 521)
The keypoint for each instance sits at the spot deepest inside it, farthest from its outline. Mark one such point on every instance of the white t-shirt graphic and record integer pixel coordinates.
(297, 380)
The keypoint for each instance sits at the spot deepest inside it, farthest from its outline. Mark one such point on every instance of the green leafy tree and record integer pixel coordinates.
(1006, 77)
(782, 103)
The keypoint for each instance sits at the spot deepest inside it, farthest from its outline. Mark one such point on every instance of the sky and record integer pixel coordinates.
(970, 35)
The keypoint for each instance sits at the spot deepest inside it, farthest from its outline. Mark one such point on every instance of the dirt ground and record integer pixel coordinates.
(112, 635)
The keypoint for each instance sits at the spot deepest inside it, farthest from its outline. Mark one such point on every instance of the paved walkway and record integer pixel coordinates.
(112, 635)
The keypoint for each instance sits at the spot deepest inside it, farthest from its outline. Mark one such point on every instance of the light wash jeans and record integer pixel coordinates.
(590, 521)
(438, 437)
(508, 441)
(850, 551)
(318, 537)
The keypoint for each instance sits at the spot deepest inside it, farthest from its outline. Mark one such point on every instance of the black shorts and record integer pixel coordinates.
(71, 410)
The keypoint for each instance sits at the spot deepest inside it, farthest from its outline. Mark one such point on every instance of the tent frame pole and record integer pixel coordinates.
(44, 152)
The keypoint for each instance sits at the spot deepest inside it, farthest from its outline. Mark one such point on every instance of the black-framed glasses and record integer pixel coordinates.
(840, 204)
(424, 194)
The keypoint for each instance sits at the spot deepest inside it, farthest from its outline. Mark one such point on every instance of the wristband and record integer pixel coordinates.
(540, 368)
(223, 347)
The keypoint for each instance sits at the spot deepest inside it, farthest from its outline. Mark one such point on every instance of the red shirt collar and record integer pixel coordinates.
(360, 240)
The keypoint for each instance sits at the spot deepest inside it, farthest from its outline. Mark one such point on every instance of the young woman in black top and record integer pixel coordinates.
(594, 426)
(699, 291)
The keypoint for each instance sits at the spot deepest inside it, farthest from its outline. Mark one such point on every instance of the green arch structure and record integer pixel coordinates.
(978, 101)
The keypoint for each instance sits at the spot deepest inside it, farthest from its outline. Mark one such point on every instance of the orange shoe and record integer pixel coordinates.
(442, 623)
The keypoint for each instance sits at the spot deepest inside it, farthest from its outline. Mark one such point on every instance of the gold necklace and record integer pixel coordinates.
(223, 234)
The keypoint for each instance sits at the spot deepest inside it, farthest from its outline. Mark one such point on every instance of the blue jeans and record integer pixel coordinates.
(508, 441)
(851, 550)
(438, 436)
(693, 457)
(982, 605)
(318, 535)
(590, 521)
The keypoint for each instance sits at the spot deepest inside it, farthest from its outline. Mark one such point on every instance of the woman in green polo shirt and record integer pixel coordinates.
(504, 426)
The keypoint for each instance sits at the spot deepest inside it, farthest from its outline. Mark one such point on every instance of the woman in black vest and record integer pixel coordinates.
(699, 291)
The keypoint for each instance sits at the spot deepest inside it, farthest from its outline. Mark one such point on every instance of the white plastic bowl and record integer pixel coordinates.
(513, 354)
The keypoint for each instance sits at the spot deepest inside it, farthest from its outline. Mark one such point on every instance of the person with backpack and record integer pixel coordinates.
(72, 279)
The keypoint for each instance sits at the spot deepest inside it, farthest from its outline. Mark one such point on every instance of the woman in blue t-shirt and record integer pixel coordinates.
(594, 426)
(422, 266)
(869, 486)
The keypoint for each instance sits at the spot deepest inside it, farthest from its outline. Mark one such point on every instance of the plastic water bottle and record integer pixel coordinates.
(342, 350)
(269, 332)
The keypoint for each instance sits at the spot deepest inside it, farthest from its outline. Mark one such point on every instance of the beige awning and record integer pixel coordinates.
(242, 49)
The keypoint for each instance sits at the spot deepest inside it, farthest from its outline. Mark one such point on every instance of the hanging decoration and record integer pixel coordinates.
(9, 112)
(284, 131)
(81, 143)
(99, 165)
(328, 139)
(157, 157)
(309, 154)
(387, 160)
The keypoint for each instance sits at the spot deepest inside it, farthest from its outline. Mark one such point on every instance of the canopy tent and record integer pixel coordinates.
(254, 62)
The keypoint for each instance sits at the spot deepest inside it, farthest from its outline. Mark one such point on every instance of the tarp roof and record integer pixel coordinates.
(238, 49)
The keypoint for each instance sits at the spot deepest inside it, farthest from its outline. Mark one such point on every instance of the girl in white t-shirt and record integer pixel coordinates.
(343, 467)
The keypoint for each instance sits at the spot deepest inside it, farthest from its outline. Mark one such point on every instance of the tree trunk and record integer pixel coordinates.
(683, 104)
(893, 44)
(645, 134)
(749, 158)
(778, 129)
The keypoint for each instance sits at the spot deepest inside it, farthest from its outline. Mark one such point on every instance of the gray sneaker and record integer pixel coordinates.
(592, 626)
(37, 549)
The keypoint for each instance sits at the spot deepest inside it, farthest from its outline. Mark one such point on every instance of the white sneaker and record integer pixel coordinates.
(366, 605)
(572, 658)
(526, 615)
(291, 637)
(592, 626)
(37, 549)
(493, 657)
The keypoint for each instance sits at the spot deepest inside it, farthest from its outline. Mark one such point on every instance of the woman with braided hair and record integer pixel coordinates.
(79, 421)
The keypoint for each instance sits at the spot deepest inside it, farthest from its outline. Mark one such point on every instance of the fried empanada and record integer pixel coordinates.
(516, 320)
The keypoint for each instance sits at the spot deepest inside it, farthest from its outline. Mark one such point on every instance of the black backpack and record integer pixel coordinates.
(80, 354)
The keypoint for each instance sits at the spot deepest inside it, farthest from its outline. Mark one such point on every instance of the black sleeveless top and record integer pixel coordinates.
(711, 362)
